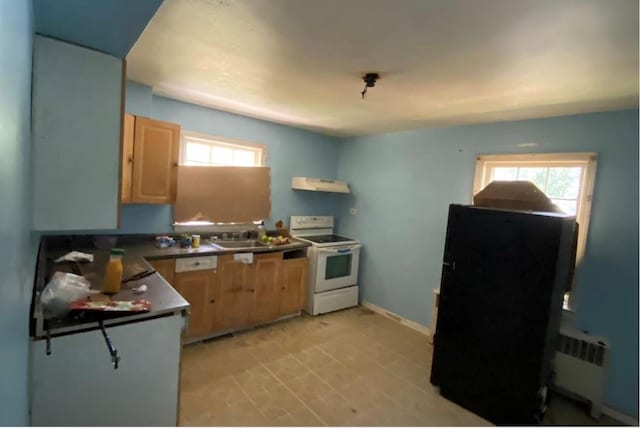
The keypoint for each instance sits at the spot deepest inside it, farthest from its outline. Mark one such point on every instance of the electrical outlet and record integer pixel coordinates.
(352, 211)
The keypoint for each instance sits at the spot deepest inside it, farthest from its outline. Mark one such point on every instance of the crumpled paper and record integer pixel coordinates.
(75, 256)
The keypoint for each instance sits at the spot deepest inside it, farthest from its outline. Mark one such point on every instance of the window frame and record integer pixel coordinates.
(586, 160)
(212, 140)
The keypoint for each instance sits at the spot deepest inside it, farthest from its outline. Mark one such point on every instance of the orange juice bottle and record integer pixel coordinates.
(113, 277)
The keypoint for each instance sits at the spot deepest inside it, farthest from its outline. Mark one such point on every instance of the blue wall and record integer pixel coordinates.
(17, 261)
(290, 152)
(402, 185)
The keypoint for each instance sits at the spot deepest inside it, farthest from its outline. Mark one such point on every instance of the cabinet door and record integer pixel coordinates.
(194, 287)
(294, 285)
(267, 288)
(155, 161)
(165, 267)
(127, 158)
(77, 131)
(236, 292)
(213, 302)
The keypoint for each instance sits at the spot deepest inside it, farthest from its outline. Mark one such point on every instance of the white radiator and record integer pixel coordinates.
(581, 363)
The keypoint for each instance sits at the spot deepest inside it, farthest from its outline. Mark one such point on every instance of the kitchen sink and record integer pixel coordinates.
(249, 243)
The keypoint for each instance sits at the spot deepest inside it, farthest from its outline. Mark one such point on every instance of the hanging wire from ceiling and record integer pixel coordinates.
(369, 82)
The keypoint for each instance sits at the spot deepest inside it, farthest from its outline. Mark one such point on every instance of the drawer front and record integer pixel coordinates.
(196, 263)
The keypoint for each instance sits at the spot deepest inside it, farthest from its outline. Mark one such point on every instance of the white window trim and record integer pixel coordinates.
(588, 160)
(233, 143)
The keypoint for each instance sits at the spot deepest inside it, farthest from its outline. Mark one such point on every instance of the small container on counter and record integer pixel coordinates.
(165, 241)
(113, 277)
(185, 241)
(195, 241)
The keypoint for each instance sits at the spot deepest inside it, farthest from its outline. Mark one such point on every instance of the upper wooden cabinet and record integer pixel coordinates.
(150, 161)
(127, 158)
(77, 125)
(294, 285)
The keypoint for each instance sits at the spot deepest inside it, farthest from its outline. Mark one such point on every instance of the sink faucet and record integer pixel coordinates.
(247, 234)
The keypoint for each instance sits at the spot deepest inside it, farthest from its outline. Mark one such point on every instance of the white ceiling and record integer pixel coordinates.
(442, 62)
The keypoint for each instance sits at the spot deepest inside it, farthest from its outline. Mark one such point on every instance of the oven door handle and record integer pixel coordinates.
(340, 250)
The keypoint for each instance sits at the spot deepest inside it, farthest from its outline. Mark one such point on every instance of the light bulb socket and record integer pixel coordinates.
(370, 79)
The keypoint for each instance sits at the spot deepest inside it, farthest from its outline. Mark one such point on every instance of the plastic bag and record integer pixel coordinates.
(62, 289)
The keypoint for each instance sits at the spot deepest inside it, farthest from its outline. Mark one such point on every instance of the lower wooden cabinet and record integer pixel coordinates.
(165, 267)
(267, 288)
(294, 286)
(236, 292)
(200, 289)
(236, 295)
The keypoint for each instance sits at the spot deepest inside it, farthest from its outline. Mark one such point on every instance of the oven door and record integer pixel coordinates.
(337, 267)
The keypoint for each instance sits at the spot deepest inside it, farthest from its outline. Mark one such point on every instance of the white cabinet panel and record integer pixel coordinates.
(77, 115)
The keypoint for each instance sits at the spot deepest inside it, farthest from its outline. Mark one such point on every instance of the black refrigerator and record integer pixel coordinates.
(503, 280)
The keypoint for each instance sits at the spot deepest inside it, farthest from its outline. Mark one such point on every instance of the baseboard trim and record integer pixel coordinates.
(619, 416)
(393, 316)
(231, 331)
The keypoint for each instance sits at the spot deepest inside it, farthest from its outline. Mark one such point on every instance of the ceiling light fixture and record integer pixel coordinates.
(369, 82)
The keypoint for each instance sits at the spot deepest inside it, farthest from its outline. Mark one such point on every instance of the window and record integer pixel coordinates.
(205, 150)
(566, 178)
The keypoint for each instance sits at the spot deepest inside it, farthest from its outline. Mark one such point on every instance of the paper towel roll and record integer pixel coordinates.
(246, 258)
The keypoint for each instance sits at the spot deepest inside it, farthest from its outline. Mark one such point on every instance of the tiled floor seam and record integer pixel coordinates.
(244, 392)
(320, 378)
(390, 397)
(294, 394)
(253, 403)
(385, 393)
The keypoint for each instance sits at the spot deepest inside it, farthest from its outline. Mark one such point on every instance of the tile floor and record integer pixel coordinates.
(347, 368)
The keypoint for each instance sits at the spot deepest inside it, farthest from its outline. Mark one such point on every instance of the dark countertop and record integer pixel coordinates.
(151, 252)
(165, 300)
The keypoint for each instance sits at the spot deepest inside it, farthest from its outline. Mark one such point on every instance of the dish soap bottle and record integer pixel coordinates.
(113, 277)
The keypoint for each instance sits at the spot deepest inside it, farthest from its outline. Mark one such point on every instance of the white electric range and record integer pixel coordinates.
(333, 264)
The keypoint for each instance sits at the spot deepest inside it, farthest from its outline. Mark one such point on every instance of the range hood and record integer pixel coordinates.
(319, 185)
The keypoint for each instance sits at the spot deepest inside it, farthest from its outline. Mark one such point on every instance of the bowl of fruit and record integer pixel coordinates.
(275, 240)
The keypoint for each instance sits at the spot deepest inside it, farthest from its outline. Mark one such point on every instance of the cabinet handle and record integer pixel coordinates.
(212, 301)
(196, 264)
(130, 159)
(175, 164)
